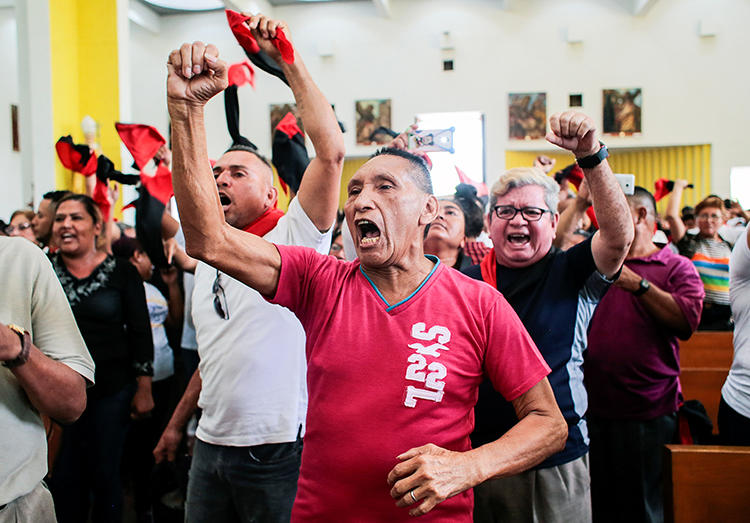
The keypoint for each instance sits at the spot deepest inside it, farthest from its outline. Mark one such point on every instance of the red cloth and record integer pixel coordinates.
(160, 185)
(418, 364)
(101, 197)
(464, 178)
(489, 268)
(590, 213)
(662, 187)
(242, 73)
(288, 125)
(141, 140)
(247, 40)
(263, 224)
(76, 157)
(575, 176)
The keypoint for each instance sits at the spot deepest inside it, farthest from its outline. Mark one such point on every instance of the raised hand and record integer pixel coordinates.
(574, 132)
(195, 74)
(263, 30)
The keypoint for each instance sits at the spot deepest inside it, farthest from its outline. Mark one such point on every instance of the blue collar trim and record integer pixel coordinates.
(390, 307)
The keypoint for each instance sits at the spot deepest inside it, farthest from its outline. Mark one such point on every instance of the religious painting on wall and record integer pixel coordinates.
(371, 115)
(279, 111)
(621, 111)
(527, 116)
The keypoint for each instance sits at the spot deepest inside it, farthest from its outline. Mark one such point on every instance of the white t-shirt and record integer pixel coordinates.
(158, 309)
(33, 299)
(253, 364)
(736, 390)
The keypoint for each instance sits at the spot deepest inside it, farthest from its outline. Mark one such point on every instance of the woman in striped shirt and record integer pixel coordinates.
(708, 252)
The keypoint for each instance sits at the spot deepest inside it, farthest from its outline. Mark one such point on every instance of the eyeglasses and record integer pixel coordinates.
(220, 299)
(10, 229)
(531, 214)
(714, 217)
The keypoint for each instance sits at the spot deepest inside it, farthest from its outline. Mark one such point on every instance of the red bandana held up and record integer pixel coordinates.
(247, 41)
(143, 141)
(288, 125)
(76, 157)
(464, 178)
(241, 73)
(263, 224)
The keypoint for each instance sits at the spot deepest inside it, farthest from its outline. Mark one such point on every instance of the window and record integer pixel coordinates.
(739, 185)
(468, 145)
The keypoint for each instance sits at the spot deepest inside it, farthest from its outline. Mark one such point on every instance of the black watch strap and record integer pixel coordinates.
(589, 162)
(23, 356)
(643, 286)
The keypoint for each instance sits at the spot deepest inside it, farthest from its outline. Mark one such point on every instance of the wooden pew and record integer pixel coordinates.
(706, 483)
(705, 360)
(711, 349)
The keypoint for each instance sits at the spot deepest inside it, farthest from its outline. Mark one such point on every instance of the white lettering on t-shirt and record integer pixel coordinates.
(434, 385)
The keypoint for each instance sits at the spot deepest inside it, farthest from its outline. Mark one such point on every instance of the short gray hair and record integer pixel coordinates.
(522, 176)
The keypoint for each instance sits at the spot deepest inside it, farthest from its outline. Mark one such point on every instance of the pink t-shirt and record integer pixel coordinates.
(383, 379)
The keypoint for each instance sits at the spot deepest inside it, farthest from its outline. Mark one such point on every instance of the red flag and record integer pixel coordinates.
(76, 157)
(464, 178)
(662, 187)
(141, 140)
(241, 73)
(247, 41)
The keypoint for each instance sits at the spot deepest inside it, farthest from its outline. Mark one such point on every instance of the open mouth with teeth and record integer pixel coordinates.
(368, 233)
(225, 200)
(67, 236)
(518, 239)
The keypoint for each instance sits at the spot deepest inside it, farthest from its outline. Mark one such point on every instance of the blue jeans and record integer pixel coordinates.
(248, 484)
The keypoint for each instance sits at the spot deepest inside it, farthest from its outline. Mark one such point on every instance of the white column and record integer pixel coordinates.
(35, 98)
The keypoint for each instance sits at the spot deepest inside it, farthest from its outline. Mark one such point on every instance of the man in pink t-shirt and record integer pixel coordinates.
(397, 344)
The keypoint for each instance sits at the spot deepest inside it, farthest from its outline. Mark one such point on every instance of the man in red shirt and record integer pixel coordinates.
(397, 344)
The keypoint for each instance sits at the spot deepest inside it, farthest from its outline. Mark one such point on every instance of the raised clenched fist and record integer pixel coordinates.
(575, 132)
(195, 74)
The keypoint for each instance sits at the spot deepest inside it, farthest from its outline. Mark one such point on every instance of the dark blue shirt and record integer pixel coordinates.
(555, 299)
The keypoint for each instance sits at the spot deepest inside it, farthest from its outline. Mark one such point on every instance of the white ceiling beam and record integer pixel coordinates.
(637, 7)
(7, 3)
(383, 7)
(144, 16)
(640, 7)
(250, 6)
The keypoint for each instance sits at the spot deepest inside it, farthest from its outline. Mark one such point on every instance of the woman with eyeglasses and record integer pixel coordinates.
(709, 253)
(108, 301)
(20, 225)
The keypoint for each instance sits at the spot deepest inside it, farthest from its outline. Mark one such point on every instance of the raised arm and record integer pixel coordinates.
(576, 133)
(321, 183)
(676, 227)
(540, 432)
(570, 216)
(195, 75)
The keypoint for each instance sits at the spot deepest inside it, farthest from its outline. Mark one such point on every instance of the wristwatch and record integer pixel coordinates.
(23, 356)
(589, 162)
(643, 286)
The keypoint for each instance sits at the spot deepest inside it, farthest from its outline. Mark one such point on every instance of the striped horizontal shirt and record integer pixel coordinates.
(711, 260)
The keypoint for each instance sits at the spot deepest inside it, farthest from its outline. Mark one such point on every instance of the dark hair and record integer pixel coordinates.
(88, 203)
(466, 197)
(687, 212)
(645, 198)
(56, 196)
(249, 149)
(126, 246)
(419, 172)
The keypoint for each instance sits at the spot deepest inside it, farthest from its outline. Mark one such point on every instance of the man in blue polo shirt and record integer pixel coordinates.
(554, 293)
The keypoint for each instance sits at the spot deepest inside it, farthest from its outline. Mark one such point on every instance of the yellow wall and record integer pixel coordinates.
(691, 162)
(83, 36)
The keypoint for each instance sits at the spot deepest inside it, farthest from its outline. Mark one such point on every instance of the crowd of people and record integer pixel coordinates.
(505, 358)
